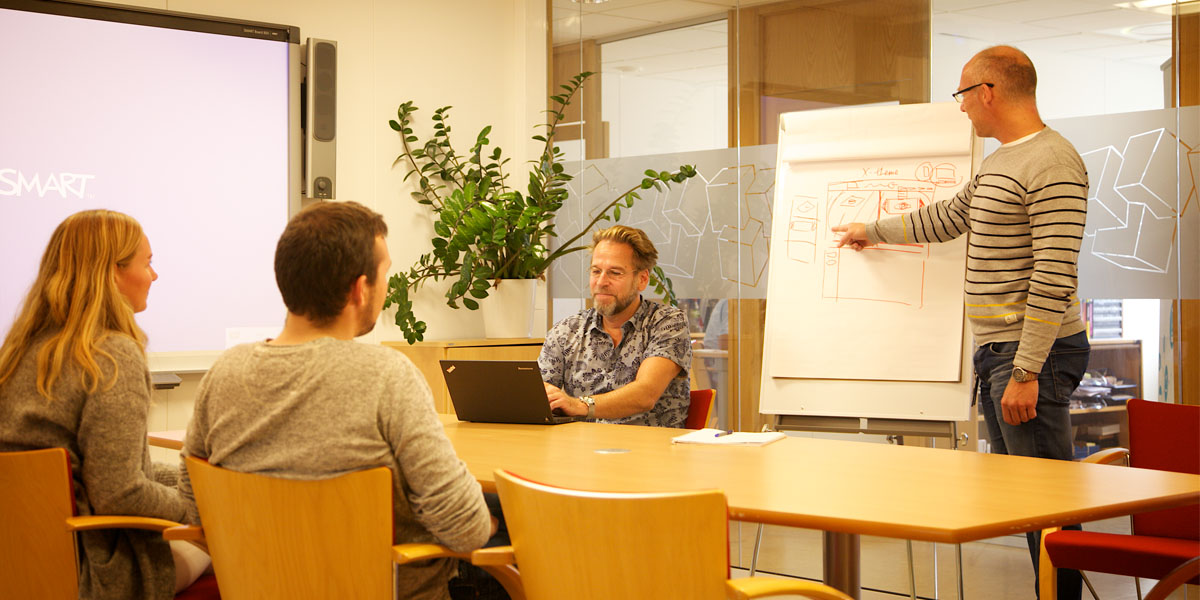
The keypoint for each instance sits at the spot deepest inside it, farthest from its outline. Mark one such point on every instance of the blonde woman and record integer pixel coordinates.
(73, 375)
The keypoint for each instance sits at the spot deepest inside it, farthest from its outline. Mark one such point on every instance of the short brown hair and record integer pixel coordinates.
(645, 256)
(1008, 68)
(322, 251)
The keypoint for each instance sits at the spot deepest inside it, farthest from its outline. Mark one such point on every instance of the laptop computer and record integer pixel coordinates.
(499, 391)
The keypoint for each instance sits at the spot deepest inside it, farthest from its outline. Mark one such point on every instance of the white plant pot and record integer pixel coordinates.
(515, 308)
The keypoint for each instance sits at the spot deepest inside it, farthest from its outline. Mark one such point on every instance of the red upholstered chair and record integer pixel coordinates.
(700, 411)
(1161, 436)
(37, 514)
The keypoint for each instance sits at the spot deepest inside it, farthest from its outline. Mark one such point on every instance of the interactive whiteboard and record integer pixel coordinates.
(189, 124)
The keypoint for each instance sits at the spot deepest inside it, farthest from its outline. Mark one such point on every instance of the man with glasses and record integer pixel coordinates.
(1025, 212)
(626, 359)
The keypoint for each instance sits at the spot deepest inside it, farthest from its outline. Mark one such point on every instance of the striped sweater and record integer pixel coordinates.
(1025, 210)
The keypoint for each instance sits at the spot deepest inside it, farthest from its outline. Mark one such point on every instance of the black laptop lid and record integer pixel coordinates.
(498, 391)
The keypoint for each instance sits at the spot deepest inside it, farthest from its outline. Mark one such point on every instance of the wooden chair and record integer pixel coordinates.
(286, 538)
(700, 410)
(581, 545)
(1161, 436)
(37, 515)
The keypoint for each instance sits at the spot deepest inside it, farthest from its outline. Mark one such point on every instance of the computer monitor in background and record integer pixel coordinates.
(190, 124)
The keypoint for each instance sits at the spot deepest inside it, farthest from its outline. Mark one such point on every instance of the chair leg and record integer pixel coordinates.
(958, 555)
(912, 578)
(757, 545)
(1088, 583)
(1137, 585)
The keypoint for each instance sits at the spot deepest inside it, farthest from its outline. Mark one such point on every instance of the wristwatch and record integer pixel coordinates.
(591, 404)
(1020, 375)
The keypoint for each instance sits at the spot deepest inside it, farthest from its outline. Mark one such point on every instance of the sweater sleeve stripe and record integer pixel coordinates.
(1049, 185)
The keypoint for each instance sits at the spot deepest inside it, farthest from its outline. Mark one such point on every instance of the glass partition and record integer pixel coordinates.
(703, 82)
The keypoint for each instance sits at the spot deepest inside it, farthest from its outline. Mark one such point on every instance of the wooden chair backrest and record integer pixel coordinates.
(37, 551)
(1163, 436)
(582, 545)
(285, 538)
(700, 410)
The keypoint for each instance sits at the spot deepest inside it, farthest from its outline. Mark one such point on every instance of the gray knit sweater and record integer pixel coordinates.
(1025, 210)
(105, 435)
(329, 407)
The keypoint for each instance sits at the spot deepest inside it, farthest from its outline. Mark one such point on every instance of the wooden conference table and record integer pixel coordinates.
(847, 488)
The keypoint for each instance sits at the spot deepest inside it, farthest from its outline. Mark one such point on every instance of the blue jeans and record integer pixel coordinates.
(1048, 435)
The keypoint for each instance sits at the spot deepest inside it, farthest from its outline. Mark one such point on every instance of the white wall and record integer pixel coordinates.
(1140, 321)
(487, 59)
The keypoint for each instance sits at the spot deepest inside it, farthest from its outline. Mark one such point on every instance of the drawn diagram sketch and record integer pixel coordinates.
(889, 312)
(887, 292)
(802, 230)
(863, 201)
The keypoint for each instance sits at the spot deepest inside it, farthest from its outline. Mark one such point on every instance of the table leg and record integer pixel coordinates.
(842, 562)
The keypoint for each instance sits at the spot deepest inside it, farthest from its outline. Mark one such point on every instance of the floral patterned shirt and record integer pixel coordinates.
(579, 358)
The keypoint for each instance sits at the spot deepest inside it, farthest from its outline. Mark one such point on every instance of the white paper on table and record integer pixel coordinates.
(717, 437)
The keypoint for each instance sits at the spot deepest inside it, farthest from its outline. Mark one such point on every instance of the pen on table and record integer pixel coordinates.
(721, 433)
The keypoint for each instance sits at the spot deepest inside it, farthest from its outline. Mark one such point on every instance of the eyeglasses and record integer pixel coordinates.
(958, 96)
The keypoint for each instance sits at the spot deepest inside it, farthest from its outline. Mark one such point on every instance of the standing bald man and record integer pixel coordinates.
(1025, 212)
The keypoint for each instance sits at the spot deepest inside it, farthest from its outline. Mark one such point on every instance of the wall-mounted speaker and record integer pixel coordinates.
(320, 119)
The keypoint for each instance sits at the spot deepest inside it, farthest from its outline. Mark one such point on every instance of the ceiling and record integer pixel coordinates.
(1105, 29)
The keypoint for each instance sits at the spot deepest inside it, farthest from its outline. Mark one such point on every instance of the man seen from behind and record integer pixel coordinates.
(313, 403)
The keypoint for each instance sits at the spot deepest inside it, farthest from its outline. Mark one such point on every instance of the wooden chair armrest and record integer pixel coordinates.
(403, 554)
(495, 556)
(1108, 456)
(758, 587)
(500, 562)
(118, 522)
(496, 561)
(186, 533)
(1047, 573)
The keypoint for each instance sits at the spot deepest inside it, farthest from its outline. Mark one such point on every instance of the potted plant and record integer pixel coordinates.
(486, 231)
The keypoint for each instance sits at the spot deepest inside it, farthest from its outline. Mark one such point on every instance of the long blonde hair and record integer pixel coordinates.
(76, 300)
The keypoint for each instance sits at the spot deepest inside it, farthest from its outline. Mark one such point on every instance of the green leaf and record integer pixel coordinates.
(395, 125)
(471, 304)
